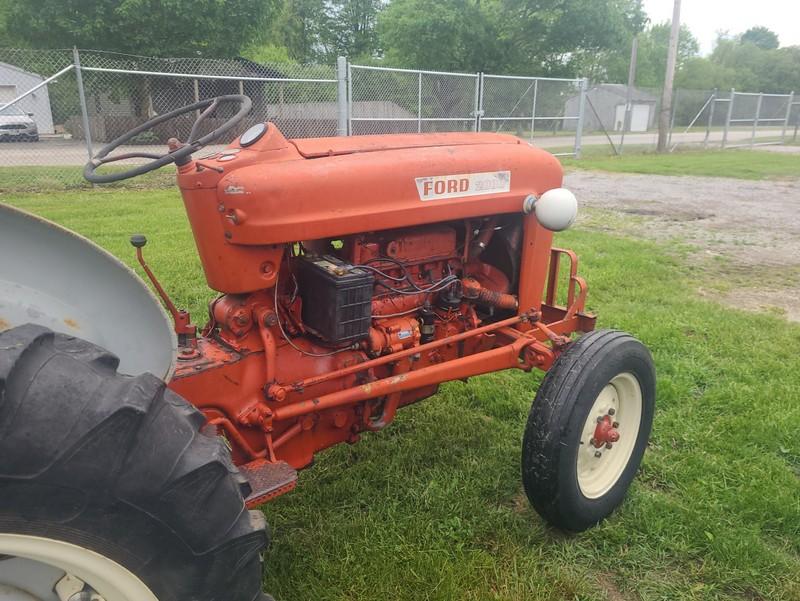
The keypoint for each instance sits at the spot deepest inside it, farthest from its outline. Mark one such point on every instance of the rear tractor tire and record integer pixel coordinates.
(588, 429)
(110, 490)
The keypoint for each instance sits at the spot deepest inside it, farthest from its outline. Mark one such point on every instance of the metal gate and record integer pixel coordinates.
(385, 100)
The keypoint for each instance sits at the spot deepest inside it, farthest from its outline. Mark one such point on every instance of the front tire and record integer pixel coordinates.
(102, 472)
(588, 429)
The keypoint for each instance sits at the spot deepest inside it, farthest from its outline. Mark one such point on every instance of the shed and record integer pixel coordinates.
(15, 81)
(608, 100)
(319, 119)
(119, 102)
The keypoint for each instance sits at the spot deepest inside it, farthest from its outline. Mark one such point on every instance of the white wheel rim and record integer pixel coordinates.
(47, 561)
(620, 402)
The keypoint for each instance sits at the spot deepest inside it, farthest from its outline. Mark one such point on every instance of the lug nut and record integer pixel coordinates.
(612, 411)
(591, 441)
(599, 420)
(598, 454)
(615, 425)
(608, 445)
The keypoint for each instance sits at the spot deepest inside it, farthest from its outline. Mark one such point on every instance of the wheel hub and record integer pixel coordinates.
(606, 433)
(609, 435)
(42, 569)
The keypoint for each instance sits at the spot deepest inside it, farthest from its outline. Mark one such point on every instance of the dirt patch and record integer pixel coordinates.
(520, 504)
(747, 227)
(782, 149)
(611, 590)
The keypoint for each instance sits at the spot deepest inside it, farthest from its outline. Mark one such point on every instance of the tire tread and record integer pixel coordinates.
(133, 447)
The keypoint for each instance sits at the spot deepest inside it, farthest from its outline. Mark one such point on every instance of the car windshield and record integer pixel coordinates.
(12, 110)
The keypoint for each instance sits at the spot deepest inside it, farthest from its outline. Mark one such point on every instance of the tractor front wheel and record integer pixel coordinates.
(588, 429)
(111, 489)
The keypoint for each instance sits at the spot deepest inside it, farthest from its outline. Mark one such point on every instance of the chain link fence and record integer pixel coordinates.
(59, 107)
(698, 118)
(386, 100)
(54, 124)
(540, 110)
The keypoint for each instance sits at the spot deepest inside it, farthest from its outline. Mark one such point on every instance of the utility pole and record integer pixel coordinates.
(626, 124)
(669, 76)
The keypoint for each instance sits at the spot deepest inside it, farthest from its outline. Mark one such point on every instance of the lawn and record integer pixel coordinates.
(742, 164)
(433, 508)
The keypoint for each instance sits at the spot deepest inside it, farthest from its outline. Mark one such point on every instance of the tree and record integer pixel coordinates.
(559, 37)
(761, 37)
(352, 28)
(744, 65)
(450, 35)
(299, 26)
(700, 73)
(759, 70)
(214, 28)
(573, 37)
(321, 30)
(652, 59)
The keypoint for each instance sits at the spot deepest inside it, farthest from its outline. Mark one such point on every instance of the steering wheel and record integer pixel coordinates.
(178, 153)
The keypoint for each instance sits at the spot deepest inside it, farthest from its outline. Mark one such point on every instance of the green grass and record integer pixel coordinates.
(16, 180)
(432, 507)
(742, 164)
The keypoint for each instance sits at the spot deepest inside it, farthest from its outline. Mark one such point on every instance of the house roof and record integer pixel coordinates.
(18, 70)
(329, 110)
(621, 90)
(236, 66)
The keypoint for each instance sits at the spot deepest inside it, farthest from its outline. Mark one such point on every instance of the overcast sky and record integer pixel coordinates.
(706, 17)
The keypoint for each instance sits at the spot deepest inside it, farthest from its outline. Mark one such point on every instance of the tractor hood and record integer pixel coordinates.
(55, 278)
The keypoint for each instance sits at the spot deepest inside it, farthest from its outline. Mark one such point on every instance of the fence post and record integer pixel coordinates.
(788, 115)
(728, 119)
(672, 117)
(581, 114)
(533, 110)
(419, 102)
(755, 119)
(710, 117)
(478, 101)
(196, 86)
(342, 128)
(87, 134)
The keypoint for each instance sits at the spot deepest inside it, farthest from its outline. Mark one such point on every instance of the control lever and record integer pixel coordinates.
(186, 331)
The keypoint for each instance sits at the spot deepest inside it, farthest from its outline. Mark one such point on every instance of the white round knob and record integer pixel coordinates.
(555, 210)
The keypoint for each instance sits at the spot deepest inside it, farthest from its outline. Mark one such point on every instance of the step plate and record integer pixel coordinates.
(268, 480)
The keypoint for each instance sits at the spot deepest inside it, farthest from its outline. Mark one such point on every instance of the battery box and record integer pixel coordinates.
(337, 298)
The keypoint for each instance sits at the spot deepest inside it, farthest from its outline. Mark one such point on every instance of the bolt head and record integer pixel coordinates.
(608, 445)
(598, 454)
(612, 411)
(591, 441)
(599, 420)
(615, 425)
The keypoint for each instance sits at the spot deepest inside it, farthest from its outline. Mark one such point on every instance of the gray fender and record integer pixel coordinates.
(55, 278)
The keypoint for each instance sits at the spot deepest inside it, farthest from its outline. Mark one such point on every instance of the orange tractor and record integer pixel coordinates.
(355, 275)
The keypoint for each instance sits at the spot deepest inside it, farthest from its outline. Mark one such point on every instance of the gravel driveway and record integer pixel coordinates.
(753, 226)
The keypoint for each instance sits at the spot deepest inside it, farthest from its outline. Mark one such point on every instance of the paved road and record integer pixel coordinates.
(735, 136)
(55, 151)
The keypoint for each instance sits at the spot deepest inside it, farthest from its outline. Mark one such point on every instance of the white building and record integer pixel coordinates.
(608, 101)
(15, 81)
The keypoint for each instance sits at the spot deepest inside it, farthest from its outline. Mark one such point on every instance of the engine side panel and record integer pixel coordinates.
(380, 190)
